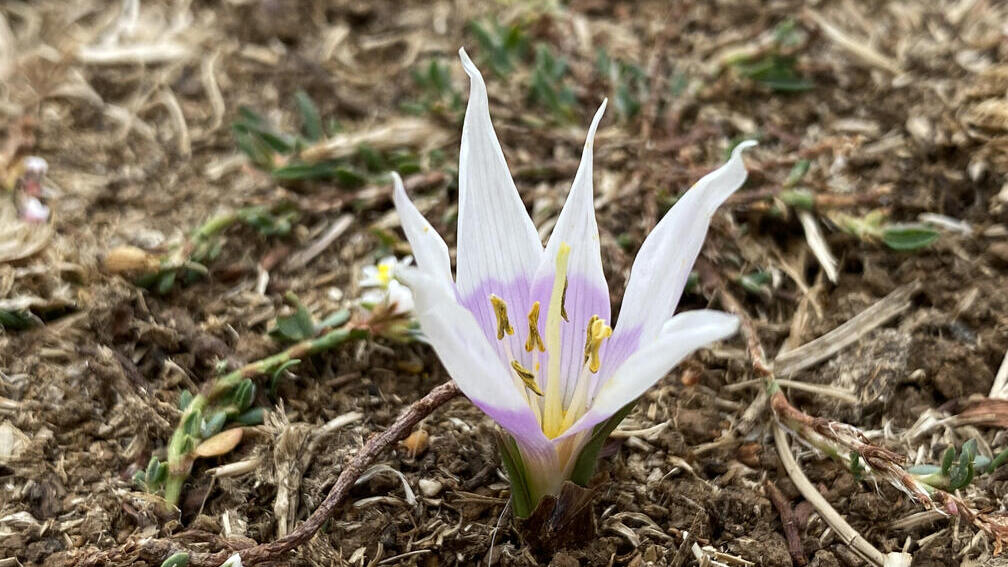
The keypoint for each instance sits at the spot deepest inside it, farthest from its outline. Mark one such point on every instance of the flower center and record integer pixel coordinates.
(553, 414)
(384, 274)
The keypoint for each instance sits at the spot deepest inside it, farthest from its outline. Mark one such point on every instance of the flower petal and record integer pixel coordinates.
(498, 246)
(429, 248)
(679, 337)
(587, 291)
(664, 261)
(471, 361)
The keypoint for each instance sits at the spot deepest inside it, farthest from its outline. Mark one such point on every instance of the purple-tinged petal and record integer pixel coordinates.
(497, 241)
(470, 360)
(587, 291)
(664, 261)
(429, 248)
(679, 337)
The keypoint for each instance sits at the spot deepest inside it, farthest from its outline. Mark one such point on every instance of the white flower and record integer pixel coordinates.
(384, 288)
(563, 368)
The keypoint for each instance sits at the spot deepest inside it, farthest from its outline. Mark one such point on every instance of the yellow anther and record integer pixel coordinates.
(563, 301)
(534, 340)
(527, 377)
(500, 309)
(598, 331)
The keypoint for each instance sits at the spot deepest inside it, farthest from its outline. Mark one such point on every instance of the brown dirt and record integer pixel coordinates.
(91, 394)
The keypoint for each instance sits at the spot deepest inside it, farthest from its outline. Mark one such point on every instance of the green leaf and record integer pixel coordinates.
(948, 458)
(373, 160)
(254, 416)
(798, 198)
(908, 237)
(214, 424)
(311, 121)
(191, 423)
(962, 474)
(140, 480)
(151, 473)
(15, 320)
(797, 172)
(856, 468)
(756, 282)
(296, 327)
(924, 470)
(337, 319)
(165, 282)
(584, 467)
(1000, 459)
(185, 398)
(244, 394)
(521, 497)
(180, 559)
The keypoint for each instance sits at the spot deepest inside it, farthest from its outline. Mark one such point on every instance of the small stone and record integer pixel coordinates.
(416, 443)
(430, 488)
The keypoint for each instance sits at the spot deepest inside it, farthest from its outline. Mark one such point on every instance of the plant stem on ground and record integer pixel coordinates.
(184, 440)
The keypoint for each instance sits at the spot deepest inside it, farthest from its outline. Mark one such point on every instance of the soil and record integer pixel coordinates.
(909, 115)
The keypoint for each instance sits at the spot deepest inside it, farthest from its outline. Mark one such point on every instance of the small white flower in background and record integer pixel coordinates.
(382, 287)
(32, 210)
(29, 190)
(233, 561)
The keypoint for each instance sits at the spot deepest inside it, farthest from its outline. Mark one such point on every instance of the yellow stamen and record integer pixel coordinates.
(500, 309)
(527, 377)
(598, 331)
(534, 340)
(384, 274)
(563, 301)
(553, 402)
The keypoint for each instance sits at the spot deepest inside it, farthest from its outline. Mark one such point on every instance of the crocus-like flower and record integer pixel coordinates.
(526, 332)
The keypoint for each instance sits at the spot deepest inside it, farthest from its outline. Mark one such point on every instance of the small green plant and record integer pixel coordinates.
(502, 47)
(17, 319)
(629, 83)
(283, 154)
(875, 227)
(189, 261)
(547, 87)
(958, 469)
(776, 66)
(437, 94)
(152, 478)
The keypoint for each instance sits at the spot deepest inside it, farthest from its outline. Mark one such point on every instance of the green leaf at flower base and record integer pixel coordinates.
(584, 467)
(521, 497)
(908, 237)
